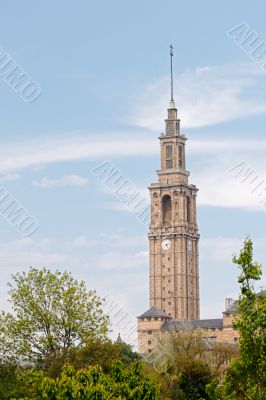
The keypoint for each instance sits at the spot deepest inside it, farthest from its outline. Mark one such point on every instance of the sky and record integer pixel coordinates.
(101, 74)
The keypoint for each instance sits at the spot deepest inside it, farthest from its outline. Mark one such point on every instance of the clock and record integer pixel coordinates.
(166, 244)
(189, 245)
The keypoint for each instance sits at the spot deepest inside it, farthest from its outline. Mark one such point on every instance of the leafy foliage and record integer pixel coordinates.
(95, 352)
(92, 383)
(193, 381)
(9, 381)
(183, 358)
(52, 312)
(179, 350)
(246, 377)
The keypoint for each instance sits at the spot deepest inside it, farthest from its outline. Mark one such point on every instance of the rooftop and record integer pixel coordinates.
(201, 323)
(154, 312)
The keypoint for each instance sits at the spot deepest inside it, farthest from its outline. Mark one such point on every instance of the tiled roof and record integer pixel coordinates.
(154, 312)
(201, 323)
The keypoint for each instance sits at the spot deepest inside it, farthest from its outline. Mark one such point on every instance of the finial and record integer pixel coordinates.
(171, 55)
(172, 103)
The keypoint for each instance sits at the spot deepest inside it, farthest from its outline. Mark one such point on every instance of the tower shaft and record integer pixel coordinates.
(173, 232)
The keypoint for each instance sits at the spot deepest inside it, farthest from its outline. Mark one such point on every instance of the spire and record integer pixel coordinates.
(172, 103)
(119, 340)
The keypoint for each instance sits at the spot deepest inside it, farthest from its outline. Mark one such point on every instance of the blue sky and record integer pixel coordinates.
(104, 72)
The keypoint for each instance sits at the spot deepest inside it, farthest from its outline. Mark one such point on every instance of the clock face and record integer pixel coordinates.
(166, 244)
(189, 245)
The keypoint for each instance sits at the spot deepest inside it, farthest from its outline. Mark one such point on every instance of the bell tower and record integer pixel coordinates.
(173, 232)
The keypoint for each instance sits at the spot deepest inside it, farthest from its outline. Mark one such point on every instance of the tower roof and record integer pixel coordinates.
(119, 339)
(154, 312)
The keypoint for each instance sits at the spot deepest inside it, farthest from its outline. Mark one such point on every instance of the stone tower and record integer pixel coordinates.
(173, 233)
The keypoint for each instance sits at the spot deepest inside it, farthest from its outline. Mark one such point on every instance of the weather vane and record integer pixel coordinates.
(171, 55)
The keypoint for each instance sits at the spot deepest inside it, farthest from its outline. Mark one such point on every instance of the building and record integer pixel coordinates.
(173, 241)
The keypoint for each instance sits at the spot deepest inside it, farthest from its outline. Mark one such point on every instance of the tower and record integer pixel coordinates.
(173, 232)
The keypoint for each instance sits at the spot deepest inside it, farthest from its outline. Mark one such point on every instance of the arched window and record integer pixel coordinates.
(167, 209)
(180, 156)
(188, 209)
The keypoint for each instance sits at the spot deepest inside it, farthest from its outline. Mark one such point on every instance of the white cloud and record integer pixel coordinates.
(9, 178)
(217, 146)
(67, 148)
(222, 184)
(121, 261)
(205, 96)
(219, 249)
(66, 180)
(72, 147)
(83, 241)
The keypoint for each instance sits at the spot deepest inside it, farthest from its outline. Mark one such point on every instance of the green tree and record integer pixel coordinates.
(96, 351)
(126, 354)
(193, 380)
(182, 359)
(246, 377)
(179, 349)
(10, 386)
(91, 383)
(51, 313)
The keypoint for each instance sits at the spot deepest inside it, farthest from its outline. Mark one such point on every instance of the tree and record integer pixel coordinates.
(126, 353)
(10, 386)
(96, 351)
(92, 383)
(51, 313)
(180, 349)
(220, 356)
(246, 377)
(182, 359)
(193, 380)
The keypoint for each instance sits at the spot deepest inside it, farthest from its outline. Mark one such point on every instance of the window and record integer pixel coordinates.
(169, 280)
(150, 332)
(149, 350)
(188, 209)
(235, 339)
(149, 341)
(169, 163)
(167, 209)
(213, 338)
(180, 156)
(169, 128)
(227, 315)
(169, 303)
(169, 151)
(168, 258)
